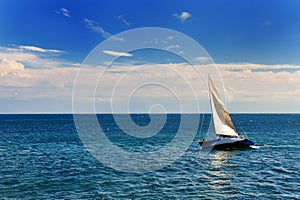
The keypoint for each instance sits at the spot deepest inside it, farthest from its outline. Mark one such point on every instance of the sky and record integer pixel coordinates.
(255, 44)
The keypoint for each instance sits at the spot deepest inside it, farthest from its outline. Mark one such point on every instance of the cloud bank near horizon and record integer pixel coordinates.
(29, 77)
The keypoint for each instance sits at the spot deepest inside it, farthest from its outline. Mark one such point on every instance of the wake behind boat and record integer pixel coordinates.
(226, 134)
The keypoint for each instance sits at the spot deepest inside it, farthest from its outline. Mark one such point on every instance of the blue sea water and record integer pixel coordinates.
(42, 157)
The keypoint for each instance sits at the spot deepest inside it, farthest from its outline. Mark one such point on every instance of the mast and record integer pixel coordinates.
(222, 122)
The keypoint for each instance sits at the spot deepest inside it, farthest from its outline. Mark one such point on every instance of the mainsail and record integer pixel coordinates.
(222, 121)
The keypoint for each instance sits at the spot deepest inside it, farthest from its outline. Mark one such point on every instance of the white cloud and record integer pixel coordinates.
(95, 27)
(259, 85)
(202, 59)
(122, 18)
(10, 64)
(33, 57)
(183, 16)
(30, 59)
(11, 68)
(117, 38)
(255, 66)
(256, 88)
(41, 50)
(175, 46)
(27, 76)
(117, 53)
(170, 37)
(63, 11)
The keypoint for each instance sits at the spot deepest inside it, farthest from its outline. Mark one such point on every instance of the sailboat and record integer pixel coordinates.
(226, 134)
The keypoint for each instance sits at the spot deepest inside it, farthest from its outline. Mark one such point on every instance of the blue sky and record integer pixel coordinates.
(58, 34)
(231, 31)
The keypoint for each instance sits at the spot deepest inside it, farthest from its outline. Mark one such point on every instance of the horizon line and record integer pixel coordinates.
(122, 113)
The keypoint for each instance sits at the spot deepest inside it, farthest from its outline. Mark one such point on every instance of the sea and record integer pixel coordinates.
(43, 156)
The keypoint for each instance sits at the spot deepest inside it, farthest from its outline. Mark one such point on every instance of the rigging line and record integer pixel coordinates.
(200, 131)
(241, 128)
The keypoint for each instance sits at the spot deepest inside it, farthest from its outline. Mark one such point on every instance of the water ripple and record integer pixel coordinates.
(42, 157)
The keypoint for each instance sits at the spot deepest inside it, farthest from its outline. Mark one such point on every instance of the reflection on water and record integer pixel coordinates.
(220, 158)
(219, 175)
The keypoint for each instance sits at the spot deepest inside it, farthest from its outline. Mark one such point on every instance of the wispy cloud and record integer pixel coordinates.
(39, 49)
(202, 59)
(175, 46)
(183, 16)
(95, 27)
(122, 18)
(117, 53)
(63, 11)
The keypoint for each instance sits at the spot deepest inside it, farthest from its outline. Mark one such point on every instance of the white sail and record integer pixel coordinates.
(221, 119)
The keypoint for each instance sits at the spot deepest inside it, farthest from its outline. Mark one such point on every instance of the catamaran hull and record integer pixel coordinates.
(226, 145)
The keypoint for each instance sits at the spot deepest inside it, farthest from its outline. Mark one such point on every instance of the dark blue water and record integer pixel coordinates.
(42, 156)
